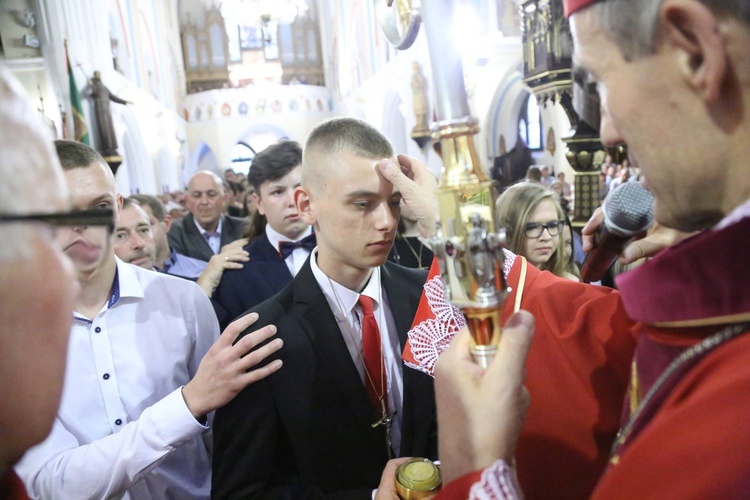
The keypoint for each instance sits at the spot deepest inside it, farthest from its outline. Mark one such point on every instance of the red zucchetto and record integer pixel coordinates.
(572, 6)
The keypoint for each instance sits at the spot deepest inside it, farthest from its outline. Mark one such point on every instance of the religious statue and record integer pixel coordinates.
(419, 102)
(551, 143)
(107, 139)
(403, 7)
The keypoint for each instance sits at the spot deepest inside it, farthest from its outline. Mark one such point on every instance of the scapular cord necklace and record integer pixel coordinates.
(386, 418)
(414, 252)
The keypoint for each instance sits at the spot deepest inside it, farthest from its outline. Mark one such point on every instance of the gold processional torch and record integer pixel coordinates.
(468, 245)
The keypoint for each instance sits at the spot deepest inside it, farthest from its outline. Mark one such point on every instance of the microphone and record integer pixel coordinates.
(628, 211)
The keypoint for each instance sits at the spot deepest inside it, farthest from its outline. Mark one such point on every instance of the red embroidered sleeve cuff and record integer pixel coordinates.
(497, 482)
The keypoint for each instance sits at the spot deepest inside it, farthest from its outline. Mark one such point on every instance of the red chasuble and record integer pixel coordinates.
(577, 375)
(691, 435)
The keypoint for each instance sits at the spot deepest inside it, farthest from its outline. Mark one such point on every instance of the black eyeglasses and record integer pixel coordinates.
(535, 229)
(93, 217)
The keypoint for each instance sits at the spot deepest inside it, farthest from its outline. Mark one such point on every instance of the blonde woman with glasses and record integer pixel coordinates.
(534, 221)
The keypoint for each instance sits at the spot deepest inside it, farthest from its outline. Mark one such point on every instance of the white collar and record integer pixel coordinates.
(130, 285)
(203, 231)
(342, 296)
(274, 237)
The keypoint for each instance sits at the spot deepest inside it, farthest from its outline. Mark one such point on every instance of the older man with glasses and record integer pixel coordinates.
(37, 289)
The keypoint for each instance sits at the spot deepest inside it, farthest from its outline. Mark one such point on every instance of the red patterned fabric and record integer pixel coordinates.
(460, 487)
(496, 482)
(572, 6)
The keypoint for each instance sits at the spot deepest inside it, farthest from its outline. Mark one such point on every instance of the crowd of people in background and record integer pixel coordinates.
(239, 197)
(614, 174)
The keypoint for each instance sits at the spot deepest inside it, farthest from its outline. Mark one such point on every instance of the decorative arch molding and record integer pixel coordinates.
(260, 135)
(197, 161)
(505, 106)
(167, 169)
(137, 160)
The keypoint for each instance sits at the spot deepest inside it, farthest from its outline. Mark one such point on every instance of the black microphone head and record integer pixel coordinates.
(628, 209)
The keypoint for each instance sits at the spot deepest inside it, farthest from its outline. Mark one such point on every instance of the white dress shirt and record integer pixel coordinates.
(297, 258)
(350, 323)
(123, 429)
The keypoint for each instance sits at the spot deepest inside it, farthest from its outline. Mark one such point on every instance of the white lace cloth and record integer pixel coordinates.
(429, 338)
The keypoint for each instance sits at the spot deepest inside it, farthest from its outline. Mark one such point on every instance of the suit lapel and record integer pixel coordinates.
(418, 402)
(402, 305)
(275, 271)
(317, 321)
(228, 228)
(320, 325)
(197, 240)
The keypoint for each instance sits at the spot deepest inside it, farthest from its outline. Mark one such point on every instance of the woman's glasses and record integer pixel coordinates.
(534, 230)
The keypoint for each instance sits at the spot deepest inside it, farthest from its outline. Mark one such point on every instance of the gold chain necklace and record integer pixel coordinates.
(386, 419)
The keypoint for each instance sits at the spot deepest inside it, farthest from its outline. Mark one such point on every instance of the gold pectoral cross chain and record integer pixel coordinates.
(385, 420)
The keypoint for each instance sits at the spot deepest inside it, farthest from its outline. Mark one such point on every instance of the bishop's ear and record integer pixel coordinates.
(696, 33)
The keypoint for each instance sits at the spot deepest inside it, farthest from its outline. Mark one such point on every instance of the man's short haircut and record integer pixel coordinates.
(74, 154)
(337, 135)
(128, 203)
(632, 24)
(351, 135)
(534, 174)
(154, 203)
(273, 163)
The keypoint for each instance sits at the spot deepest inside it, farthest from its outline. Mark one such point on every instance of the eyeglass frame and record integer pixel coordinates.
(560, 224)
(91, 217)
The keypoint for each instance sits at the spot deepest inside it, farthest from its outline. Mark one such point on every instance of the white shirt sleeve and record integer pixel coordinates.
(61, 468)
(68, 465)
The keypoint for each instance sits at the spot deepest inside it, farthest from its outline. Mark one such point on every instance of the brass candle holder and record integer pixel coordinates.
(468, 246)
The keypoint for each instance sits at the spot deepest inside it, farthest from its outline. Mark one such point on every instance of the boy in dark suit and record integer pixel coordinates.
(326, 425)
(279, 252)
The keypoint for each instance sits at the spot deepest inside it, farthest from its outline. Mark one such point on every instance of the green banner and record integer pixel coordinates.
(81, 133)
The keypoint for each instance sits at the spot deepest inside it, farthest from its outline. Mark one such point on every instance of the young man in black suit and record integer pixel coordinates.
(326, 425)
(205, 230)
(279, 252)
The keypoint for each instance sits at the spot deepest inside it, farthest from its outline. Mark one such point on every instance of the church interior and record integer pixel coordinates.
(208, 84)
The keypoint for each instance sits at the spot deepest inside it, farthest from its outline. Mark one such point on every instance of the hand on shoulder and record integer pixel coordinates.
(226, 368)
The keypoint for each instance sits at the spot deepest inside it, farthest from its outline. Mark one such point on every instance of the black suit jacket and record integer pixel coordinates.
(265, 275)
(184, 236)
(305, 431)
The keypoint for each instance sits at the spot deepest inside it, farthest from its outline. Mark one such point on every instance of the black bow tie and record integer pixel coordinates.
(287, 247)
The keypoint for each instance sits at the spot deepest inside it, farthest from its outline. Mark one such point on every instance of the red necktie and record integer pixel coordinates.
(372, 352)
